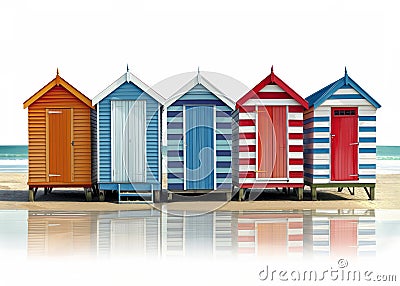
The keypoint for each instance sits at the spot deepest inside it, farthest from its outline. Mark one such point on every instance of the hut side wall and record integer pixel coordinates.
(129, 91)
(235, 148)
(59, 97)
(317, 125)
(93, 124)
(198, 96)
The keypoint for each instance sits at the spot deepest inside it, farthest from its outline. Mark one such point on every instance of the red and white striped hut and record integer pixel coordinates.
(267, 142)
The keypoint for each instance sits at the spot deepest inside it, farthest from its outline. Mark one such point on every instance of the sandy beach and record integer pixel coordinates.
(14, 194)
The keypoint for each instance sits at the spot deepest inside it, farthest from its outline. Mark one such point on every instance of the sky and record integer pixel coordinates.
(309, 43)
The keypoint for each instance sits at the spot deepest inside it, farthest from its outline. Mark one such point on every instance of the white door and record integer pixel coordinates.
(128, 124)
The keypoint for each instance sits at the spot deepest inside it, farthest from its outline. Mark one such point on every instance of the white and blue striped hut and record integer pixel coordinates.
(340, 138)
(129, 139)
(199, 136)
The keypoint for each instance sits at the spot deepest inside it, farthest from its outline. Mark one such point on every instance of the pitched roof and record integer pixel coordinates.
(317, 98)
(58, 81)
(273, 79)
(128, 77)
(200, 79)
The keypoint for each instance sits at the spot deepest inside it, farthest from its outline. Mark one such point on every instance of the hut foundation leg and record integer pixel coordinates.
(371, 193)
(241, 191)
(300, 194)
(314, 193)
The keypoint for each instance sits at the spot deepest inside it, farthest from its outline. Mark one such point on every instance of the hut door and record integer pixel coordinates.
(343, 237)
(272, 142)
(199, 147)
(59, 159)
(128, 125)
(344, 144)
(272, 238)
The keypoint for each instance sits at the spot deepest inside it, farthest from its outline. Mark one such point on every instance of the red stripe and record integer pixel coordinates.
(295, 237)
(247, 174)
(296, 174)
(245, 109)
(295, 249)
(269, 185)
(273, 95)
(296, 162)
(295, 123)
(247, 122)
(247, 148)
(296, 108)
(247, 135)
(296, 225)
(295, 135)
(246, 239)
(245, 250)
(246, 226)
(296, 148)
(250, 161)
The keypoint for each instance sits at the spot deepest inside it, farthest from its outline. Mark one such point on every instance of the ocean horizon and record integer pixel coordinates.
(14, 159)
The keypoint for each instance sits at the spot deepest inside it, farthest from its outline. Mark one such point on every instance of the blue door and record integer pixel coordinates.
(199, 122)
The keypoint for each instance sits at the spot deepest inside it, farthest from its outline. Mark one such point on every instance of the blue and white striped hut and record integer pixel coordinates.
(129, 139)
(199, 131)
(340, 138)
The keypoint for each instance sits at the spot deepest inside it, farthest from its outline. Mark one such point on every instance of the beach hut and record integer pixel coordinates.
(268, 138)
(199, 131)
(340, 138)
(129, 139)
(60, 120)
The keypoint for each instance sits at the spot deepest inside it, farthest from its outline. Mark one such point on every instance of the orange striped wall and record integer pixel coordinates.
(59, 97)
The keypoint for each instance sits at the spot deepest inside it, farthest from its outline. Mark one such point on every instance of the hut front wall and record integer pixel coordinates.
(246, 146)
(128, 91)
(199, 96)
(59, 97)
(317, 141)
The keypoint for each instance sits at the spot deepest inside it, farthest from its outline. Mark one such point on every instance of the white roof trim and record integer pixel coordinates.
(200, 79)
(127, 77)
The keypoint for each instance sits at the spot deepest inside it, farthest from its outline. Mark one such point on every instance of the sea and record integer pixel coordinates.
(14, 159)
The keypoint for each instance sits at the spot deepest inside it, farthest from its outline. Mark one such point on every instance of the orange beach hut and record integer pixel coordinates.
(60, 138)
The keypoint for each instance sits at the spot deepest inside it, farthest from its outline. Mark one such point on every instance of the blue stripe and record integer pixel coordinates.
(224, 125)
(223, 164)
(174, 113)
(175, 164)
(367, 176)
(175, 125)
(175, 176)
(367, 166)
(315, 140)
(317, 119)
(367, 118)
(223, 153)
(224, 175)
(175, 186)
(221, 113)
(316, 129)
(199, 102)
(346, 96)
(317, 151)
(316, 176)
(175, 153)
(174, 136)
(224, 186)
(316, 167)
(224, 136)
(367, 150)
(367, 129)
(367, 140)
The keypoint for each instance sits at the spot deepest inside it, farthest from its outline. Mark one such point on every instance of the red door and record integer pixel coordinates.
(344, 144)
(343, 237)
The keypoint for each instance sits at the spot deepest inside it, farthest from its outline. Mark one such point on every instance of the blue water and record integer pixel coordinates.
(14, 158)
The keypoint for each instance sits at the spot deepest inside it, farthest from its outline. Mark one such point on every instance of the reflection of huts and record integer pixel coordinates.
(128, 233)
(199, 130)
(61, 234)
(340, 138)
(129, 139)
(268, 138)
(194, 234)
(59, 127)
(340, 232)
(270, 234)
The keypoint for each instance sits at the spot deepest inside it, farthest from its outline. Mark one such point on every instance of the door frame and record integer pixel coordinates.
(332, 109)
(72, 165)
(287, 146)
(214, 138)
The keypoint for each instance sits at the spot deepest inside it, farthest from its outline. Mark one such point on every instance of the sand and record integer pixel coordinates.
(14, 194)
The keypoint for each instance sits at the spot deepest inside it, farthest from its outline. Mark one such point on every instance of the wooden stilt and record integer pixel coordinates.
(240, 194)
(314, 193)
(300, 194)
